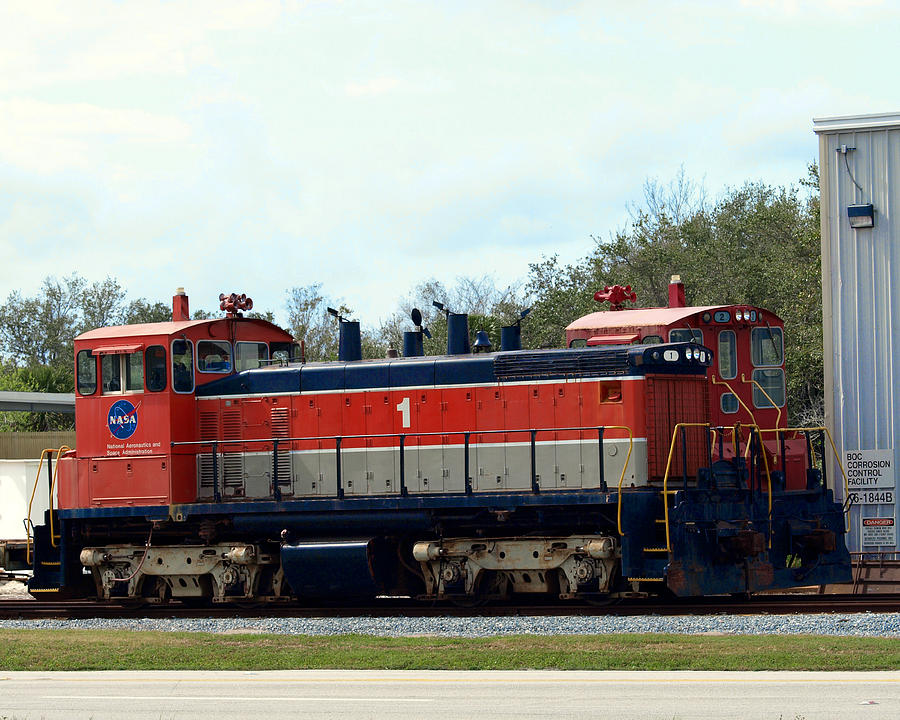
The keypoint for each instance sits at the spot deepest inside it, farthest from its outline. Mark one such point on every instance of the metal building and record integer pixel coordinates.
(859, 164)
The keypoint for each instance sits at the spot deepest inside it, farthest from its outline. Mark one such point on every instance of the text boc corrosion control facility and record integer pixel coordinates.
(859, 161)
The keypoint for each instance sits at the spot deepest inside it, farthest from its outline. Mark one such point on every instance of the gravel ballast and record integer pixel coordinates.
(857, 625)
(851, 625)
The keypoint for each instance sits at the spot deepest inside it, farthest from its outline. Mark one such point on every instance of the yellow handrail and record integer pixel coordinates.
(675, 430)
(624, 470)
(759, 387)
(665, 496)
(29, 525)
(53, 537)
(834, 451)
(712, 379)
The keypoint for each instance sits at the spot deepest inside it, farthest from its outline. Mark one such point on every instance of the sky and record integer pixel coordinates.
(369, 146)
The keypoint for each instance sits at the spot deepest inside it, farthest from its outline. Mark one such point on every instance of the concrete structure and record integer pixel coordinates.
(859, 164)
(17, 479)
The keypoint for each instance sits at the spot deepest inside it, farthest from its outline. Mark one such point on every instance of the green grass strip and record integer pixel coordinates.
(127, 650)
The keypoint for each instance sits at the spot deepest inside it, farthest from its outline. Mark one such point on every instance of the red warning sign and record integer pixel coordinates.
(878, 532)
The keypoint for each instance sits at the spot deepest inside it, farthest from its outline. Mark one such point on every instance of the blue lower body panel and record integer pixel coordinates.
(339, 569)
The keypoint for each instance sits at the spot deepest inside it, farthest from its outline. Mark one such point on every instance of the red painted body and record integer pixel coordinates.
(142, 469)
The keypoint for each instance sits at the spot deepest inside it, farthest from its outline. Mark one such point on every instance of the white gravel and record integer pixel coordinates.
(855, 624)
(865, 625)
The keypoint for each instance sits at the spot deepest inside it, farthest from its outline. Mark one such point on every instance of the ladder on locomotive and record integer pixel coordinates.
(42, 541)
(655, 544)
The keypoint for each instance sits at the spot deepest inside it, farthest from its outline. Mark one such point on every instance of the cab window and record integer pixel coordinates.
(771, 380)
(182, 366)
(122, 372)
(286, 352)
(728, 403)
(651, 340)
(249, 355)
(578, 343)
(684, 335)
(214, 356)
(155, 360)
(86, 371)
(727, 356)
(767, 346)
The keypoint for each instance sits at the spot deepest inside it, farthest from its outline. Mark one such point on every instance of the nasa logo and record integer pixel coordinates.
(122, 419)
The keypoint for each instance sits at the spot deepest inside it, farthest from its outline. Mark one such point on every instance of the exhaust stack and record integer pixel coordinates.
(180, 309)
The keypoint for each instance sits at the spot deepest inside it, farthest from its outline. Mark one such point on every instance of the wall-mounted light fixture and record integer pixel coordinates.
(861, 216)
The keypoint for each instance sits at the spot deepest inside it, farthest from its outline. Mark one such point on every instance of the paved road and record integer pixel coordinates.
(435, 695)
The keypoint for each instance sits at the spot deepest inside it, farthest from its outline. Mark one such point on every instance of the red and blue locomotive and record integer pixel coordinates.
(213, 465)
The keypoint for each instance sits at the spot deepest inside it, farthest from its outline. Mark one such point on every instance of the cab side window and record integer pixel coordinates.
(767, 354)
(214, 356)
(250, 355)
(287, 352)
(680, 335)
(766, 346)
(86, 372)
(182, 366)
(155, 361)
(727, 356)
(122, 372)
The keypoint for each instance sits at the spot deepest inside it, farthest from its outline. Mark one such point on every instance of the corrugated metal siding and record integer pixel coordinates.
(27, 445)
(861, 289)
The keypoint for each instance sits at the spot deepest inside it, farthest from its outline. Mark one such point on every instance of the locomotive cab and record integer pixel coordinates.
(747, 379)
(136, 395)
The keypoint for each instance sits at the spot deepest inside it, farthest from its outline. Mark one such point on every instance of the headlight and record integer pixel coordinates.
(689, 354)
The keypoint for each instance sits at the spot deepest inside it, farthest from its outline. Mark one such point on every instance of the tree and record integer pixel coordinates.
(488, 307)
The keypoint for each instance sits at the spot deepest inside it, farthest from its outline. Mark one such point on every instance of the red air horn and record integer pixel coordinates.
(234, 303)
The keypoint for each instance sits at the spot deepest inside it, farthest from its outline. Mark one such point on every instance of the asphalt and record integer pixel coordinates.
(486, 695)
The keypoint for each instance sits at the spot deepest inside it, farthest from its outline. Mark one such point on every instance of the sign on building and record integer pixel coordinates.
(878, 531)
(870, 476)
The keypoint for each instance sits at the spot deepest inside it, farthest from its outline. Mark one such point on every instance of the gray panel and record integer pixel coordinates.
(353, 471)
(431, 464)
(454, 462)
(490, 467)
(518, 462)
(383, 466)
(257, 475)
(568, 461)
(861, 292)
(306, 473)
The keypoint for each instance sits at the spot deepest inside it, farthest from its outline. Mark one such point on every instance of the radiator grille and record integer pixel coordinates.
(669, 401)
(561, 363)
(232, 457)
(209, 430)
(281, 427)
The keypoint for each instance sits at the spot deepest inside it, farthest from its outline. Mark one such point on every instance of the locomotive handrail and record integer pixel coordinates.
(712, 379)
(338, 440)
(29, 524)
(768, 397)
(665, 492)
(837, 459)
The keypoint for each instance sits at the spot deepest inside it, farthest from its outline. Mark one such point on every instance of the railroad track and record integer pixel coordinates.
(757, 605)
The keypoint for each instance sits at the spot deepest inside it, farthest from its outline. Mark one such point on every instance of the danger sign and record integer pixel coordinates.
(878, 531)
(869, 469)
